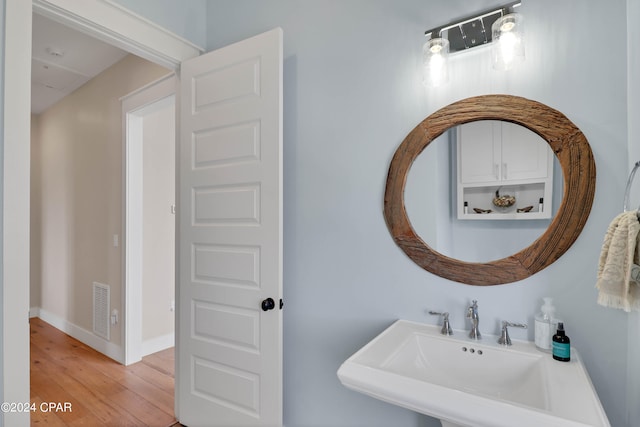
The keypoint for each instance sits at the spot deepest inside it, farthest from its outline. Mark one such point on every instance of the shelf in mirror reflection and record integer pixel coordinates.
(437, 214)
(479, 205)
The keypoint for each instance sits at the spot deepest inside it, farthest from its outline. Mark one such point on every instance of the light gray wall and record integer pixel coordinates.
(633, 115)
(633, 92)
(184, 18)
(352, 92)
(2, 64)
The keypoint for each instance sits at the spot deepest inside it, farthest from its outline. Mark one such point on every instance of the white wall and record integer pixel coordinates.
(35, 261)
(158, 229)
(352, 92)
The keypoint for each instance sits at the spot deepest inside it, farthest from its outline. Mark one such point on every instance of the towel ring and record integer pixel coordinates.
(627, 191)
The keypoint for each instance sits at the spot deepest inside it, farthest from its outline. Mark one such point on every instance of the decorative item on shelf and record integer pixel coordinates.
(504, 201)
(482, 211)
(525, 209)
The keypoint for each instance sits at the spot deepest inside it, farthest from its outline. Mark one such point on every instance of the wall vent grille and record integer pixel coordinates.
(101, 309)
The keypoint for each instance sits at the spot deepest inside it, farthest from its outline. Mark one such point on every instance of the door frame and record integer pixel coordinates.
(15, 194)
(133, 106)
(110, 23)
(121, 28)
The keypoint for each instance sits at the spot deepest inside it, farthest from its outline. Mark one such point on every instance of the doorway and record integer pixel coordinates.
(152, 41)
(79, 205)
(110, 23)
(75, 200)
(148, 121)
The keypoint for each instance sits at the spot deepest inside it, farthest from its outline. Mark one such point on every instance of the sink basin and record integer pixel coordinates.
(473, 383)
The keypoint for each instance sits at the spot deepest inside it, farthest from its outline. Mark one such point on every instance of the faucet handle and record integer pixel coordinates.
(504, 337)
(472, 309)
(446, 327)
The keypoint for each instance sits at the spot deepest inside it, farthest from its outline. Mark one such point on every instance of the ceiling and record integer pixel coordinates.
(62, 60)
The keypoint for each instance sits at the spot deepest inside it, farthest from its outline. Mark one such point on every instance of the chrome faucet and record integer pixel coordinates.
(504, 337)
(472, 313)
(446, 326)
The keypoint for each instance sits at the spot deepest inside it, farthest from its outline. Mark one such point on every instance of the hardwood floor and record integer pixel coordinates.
(97, 390)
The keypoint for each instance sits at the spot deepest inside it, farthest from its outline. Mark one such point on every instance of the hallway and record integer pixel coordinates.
(98, 390)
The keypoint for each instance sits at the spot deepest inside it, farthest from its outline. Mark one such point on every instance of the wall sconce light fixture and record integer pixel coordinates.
(434, 56)
(508, 44)
(501, 27)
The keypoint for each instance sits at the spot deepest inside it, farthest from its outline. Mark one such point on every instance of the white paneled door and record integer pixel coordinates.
(229, 353)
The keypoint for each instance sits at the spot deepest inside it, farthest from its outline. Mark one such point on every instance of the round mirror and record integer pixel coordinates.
(468, 164)
(578, 172)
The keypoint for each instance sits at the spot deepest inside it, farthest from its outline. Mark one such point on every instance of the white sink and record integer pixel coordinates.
(473, 383)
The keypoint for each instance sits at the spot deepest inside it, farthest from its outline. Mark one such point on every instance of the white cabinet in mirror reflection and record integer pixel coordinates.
(501, 158)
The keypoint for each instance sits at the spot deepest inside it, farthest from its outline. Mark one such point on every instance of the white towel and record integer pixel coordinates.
(617, 287)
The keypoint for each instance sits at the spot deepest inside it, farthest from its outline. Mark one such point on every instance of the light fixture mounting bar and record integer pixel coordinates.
(473, 30)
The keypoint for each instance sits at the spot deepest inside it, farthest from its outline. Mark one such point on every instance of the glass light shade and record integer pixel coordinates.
(508, 41)
(434, 57)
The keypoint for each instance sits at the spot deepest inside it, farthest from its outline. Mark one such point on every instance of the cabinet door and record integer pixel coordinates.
(525, 155)
(479, 151)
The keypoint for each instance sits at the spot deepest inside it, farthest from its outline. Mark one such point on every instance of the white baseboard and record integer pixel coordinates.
(105, 347)
(158, 344)
(34, 312)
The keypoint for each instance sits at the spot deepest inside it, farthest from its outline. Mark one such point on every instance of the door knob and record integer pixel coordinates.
(268, 304)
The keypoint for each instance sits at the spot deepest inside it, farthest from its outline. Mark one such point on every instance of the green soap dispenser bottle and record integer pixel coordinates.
(561, 345)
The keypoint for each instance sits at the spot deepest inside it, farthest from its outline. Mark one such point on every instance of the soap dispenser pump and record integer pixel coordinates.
(543, 325)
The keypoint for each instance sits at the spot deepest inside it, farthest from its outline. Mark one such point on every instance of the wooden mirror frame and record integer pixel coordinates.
(579, 172)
